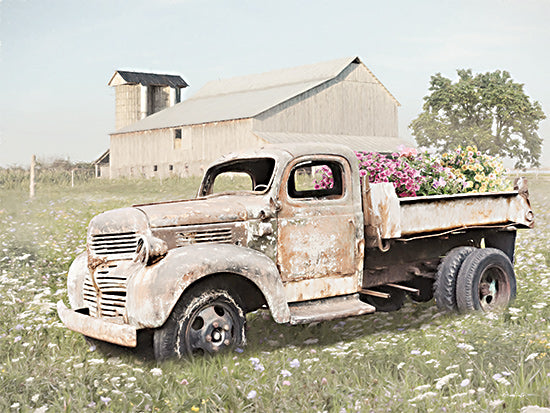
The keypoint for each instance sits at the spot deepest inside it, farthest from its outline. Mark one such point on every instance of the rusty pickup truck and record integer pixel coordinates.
(261, 234)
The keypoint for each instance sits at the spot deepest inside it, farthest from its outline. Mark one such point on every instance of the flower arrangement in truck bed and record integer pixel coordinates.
(420, 174)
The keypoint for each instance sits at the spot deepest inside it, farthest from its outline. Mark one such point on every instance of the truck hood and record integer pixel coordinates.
(210, 210)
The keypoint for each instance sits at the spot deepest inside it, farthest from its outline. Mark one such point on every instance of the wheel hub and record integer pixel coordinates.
(210, 329)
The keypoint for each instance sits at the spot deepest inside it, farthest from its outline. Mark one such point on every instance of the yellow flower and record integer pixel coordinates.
(195, 408)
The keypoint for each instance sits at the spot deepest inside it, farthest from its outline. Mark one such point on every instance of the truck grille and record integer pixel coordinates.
(120, 246)
(204, 236)
(110, 301)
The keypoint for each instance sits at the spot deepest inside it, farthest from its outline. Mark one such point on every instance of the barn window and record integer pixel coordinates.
(155, 168)
(170, 167)
(177, 138)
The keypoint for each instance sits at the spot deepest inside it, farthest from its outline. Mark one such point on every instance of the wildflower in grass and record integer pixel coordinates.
(499, 379)
(531, 356)
(256, 364)
(41, 409)
(286, 383)
(194, 408)
(156, 371)
(324, 381)
(96, 361)
(465, 347)
(294, 363)
(400, 366)
(464, 382)
(15, 405)
(286, 373)
(35, 398)
(496, 403)
(423, 396)
(238, 350)
(443, 381)
(251, 394)
(184, 382)
(415, 352)
(105, 400)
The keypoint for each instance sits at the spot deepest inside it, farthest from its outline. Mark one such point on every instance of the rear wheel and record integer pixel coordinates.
(445, 281)
(203, 322)
(486, 281)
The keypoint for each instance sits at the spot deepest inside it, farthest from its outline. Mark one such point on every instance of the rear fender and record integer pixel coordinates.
(154, 291)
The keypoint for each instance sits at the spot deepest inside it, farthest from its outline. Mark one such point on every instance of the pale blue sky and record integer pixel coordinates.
(56, 56)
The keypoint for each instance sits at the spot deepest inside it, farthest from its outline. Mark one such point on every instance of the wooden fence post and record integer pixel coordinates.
(31, 186)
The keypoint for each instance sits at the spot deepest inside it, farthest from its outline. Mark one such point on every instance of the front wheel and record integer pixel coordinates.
(486, 281)
(203, 322)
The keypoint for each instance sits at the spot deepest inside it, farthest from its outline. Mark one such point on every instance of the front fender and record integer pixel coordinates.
(153, 292)
(75, 280)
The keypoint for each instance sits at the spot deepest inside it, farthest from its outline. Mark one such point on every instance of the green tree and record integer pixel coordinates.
(488, 110)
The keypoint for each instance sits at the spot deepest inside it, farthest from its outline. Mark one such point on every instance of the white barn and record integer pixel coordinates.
(339, 101)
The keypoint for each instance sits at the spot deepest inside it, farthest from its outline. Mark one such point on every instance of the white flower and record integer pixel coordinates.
(35, 397)
(156, 371)
(294, 363)
(252, 394)
(513, 310)
(498, 378)
(96, 361)
(415, 352)
(423, 396)
(443, 381)
(15, 405)
(286, 373)
(496, 403)
(531, 356)
(400, 366)
(259, 367)
(42, 409)
(464, 382)
(465, 347)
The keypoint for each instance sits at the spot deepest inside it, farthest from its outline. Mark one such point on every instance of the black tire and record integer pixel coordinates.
(204, 321)
(486, 281)
(445, 280)
(393, 303)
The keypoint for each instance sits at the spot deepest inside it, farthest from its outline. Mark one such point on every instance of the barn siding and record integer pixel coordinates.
(354, 103)
(136, 154)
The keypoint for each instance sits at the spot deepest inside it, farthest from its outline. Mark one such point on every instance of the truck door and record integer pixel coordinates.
(316, 229)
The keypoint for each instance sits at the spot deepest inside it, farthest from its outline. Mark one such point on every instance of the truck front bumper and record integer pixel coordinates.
(102, 329)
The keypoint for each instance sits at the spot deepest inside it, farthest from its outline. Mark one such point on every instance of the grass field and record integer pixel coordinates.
(415, 359)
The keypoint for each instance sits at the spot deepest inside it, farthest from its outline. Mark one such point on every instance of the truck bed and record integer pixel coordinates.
(387, 216)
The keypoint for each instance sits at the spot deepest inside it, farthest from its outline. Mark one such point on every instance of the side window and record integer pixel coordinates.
(316, 179)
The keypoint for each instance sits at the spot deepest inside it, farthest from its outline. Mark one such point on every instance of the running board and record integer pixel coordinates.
(328, 309)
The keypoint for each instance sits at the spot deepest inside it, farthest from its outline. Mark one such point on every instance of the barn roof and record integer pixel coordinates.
(357, 143)
(245, 96)
(146, 79)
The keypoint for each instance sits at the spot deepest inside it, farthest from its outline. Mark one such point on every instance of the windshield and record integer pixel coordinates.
(248, 175)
